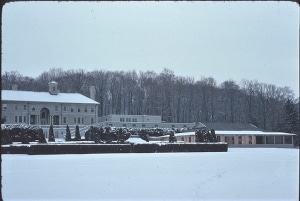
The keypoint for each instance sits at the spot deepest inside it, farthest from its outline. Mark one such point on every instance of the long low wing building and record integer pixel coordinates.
(242, 138)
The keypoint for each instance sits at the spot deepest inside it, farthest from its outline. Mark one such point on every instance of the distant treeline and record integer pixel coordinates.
(175, 98)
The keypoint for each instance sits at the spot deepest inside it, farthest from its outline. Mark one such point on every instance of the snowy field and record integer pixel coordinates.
(239, 174)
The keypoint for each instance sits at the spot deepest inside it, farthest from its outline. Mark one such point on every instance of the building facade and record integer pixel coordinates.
(140, 121)
(239, 135)
(42, 109)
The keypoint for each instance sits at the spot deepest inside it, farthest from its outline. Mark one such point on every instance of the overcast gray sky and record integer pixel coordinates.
(225, 40)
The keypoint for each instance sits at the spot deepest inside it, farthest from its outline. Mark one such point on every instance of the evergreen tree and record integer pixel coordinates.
(51, 134)
(290, 118)
(68, 134)
(77, 133)
(172, 137)
(41, 136)
(108, 135)
(213, 135)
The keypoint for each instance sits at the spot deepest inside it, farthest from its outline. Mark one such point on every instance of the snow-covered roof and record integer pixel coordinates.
(227, 126)
(239, 133)
(250, 133)
(33, 96)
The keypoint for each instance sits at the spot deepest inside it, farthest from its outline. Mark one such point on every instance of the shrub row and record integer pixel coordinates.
(21, 133)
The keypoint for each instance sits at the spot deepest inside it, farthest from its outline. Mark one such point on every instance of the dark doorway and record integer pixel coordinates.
(45, 116)
(55, 120)
(32, 119)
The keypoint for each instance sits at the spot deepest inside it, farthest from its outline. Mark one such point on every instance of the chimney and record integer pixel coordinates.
(14, 87)
(53, 88)
(92, 92)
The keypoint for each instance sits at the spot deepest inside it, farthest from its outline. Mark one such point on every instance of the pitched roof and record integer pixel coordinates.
(228, 126)
(33, 96)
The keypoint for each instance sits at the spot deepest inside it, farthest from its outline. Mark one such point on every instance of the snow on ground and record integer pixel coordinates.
(239, 174)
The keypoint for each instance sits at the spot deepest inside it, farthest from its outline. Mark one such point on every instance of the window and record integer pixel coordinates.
(78, 120)
(240, 139)
(232, 140)
(24, 107)
(124, 125)
(4, 106)
(122, 119)
(92, 120)
(16, 119)
(128, 120)
(71, 109)
(133, 125)
(16, 107)
(4, 119)
(65, 108)
(64, 120)
(250, 139)
(33, 108)
(190, 139)
(78, 109)
(82, 120)
(24, 119)
(20, 119)
(74, 120)
(85, 109)
(92, 109)
(56, 108)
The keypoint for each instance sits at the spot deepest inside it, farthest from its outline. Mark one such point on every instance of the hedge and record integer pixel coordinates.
(112, 148)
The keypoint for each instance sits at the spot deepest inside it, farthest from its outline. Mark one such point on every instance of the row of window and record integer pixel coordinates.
(92, 109)
(128, 119)
(239, 139)
(23, 119)
(77, 120)
(18, 119)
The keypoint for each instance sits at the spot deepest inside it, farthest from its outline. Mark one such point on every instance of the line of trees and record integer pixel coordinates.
(175, 98)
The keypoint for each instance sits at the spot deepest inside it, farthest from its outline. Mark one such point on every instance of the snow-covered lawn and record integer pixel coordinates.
(239, 174)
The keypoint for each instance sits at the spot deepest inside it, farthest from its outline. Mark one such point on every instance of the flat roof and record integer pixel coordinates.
(262, 133)
(33, 96)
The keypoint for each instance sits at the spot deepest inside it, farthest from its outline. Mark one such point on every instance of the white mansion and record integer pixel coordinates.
(46, 108)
